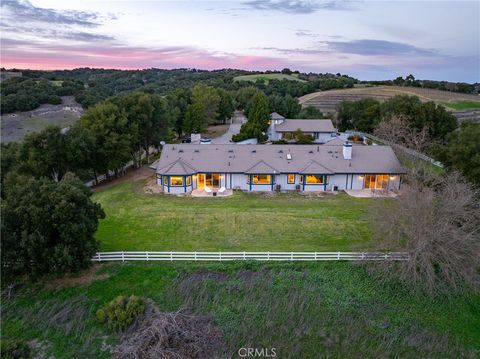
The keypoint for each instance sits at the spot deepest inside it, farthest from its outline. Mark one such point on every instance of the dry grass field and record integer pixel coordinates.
(15, 126)
(326, 101)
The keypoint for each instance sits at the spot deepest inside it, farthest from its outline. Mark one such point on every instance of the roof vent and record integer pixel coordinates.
(254, 151)
(289, 156)
(231, 151)
(196, 151)
(318, 148)
(229, 164)
(310, 151)
(173, 148)
(180, 151)
(281, 151)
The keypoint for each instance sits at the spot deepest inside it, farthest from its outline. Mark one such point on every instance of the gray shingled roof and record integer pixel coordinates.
(290, 125)
(316, 168)
(261, 168)
(178, 167)
(250, 158)
(276, 116)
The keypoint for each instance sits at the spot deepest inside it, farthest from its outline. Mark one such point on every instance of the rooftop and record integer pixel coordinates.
(314, 125)
(185, 159)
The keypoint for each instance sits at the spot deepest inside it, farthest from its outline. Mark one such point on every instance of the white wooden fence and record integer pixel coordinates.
(242, 256)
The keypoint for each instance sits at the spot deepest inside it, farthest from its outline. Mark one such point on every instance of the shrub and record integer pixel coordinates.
(121, 312)
(355, 138)
(14, 349)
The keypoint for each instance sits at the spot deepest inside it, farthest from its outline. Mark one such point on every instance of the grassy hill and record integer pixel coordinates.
(267, 77)
(300, 309)
(326, 101)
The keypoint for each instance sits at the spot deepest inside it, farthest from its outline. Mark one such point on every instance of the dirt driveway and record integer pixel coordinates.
(136, 174)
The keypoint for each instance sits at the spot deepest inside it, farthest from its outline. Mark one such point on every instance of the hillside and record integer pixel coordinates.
(15, 126)
(464, 106)
(300, 309)
(267, 77)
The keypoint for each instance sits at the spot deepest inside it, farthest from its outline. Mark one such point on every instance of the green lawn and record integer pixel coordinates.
(463, 105)
(244, 222)
(304, 310)
(267, 77)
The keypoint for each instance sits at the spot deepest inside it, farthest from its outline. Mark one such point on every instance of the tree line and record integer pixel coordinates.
(411, 81)
(91, 86)
(25, 94)
(423, 126)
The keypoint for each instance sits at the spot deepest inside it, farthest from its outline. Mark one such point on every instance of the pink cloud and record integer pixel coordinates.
(22, 54)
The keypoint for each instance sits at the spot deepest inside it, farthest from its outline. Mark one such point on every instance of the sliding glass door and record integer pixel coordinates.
(210, 180)
(376, 181)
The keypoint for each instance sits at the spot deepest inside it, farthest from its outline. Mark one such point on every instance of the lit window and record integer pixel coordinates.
(176, 181)
(189, 180)
(261, 179)
(291, 178)
(314, 179)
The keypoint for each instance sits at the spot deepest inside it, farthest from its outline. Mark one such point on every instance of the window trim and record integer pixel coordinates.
(288, 178)
(316, 183)
(188, 180)
(176, 185)
(260, 184)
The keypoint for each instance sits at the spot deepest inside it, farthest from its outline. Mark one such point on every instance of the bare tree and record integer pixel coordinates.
(436, 220)
(398, 130)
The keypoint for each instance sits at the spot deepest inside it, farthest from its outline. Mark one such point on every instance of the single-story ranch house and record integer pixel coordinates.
(183, 168)
(321, 130)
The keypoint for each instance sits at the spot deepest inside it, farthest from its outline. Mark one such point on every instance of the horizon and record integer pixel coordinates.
(373, 40)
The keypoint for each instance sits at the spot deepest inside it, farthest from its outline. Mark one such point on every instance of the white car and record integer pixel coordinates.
(205, 141)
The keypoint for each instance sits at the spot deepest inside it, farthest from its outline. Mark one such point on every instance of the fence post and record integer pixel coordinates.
(315, 255)
(220, 253)
(123, 256)
(244, 256)
(363, 255)
(195, 255)
(338, 256)
(386, 256)
(98, 254)
(268, 256)
(291, 256)
(147, 255)
(171, 256)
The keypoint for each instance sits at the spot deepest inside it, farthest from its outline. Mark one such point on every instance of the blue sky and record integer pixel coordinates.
(369, 39)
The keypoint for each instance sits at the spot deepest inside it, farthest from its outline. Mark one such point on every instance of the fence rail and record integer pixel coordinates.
(260, 256)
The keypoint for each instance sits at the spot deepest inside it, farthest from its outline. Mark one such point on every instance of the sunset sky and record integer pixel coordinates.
(370, 39)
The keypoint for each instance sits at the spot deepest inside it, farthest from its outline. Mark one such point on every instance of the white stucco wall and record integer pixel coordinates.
(240, 181)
